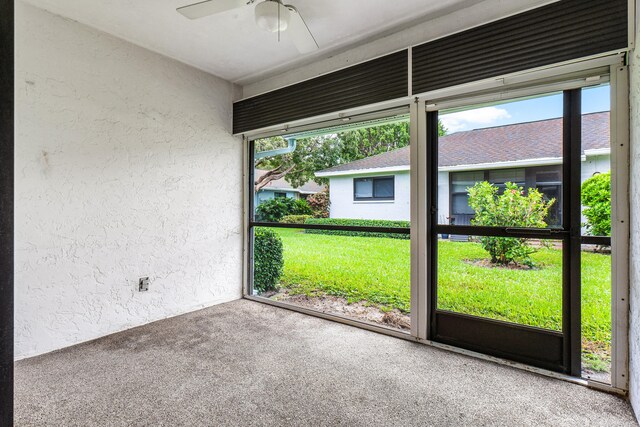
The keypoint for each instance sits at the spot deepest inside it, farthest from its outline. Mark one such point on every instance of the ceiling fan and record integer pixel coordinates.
(271, 15)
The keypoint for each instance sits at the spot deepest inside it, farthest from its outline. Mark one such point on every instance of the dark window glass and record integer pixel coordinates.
(461, 181)
(460, 204)
(383, 188)
(502, 176)
(548, 177)
(280, 195)
(363, 188)
(378, 188)
(552, 192)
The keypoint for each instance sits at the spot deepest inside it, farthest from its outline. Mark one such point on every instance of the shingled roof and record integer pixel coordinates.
(523, 141)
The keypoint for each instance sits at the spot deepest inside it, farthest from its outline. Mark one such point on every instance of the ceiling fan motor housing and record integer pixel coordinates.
(272, 16)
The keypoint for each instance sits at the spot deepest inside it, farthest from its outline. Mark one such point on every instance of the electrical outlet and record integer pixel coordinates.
(143, 284)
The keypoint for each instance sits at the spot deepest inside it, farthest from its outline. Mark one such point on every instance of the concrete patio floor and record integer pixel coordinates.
(245, 363)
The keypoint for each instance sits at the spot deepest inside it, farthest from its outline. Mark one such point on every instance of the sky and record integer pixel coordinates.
(547, 107)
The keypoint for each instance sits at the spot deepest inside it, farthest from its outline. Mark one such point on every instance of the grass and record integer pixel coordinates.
(356, 268)
(377, 270)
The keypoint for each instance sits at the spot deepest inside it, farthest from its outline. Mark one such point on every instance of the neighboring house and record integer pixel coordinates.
(281, 188)
(529, 154)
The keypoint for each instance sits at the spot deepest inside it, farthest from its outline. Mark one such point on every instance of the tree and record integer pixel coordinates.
(322, 152)
(596, 197)
(298, 167)
(513, 208)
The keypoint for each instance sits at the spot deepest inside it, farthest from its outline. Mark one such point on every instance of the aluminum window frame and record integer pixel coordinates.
(373, 197)
(617, 76)
(376, 117)
(570, 74)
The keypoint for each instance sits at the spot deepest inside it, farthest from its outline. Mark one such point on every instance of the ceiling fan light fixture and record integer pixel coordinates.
(272, 16)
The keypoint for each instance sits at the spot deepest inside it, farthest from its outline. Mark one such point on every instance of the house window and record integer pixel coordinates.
(461, 212)
(546, 179)
(375, 188)
(280, 195)
(500, 177)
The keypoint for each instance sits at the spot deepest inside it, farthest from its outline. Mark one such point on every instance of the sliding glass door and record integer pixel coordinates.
(480, 221)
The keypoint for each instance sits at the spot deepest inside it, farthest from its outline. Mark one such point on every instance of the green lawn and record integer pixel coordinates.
(377, 270)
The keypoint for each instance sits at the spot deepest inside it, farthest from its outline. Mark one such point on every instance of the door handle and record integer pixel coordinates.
(524, 230)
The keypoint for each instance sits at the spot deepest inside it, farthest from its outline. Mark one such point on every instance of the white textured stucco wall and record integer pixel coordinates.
(125, 167)
(343, 205)
(634, 264)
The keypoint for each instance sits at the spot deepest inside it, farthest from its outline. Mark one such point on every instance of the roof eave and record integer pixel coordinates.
(389, 169)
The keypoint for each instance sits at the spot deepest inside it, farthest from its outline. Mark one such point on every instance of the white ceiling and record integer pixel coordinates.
(230, 45)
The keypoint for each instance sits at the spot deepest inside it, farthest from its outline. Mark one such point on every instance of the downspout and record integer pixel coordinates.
(291, 146)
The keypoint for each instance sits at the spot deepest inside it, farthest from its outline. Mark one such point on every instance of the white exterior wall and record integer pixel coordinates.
(595, 164)
(343, 205)
(264, 195)
(634, 259)
(443, 197)
(125, 167)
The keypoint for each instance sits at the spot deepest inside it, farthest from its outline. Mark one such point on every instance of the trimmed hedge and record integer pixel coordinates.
(267, 260)
(294, 219)
(358, 223)
(275, 209)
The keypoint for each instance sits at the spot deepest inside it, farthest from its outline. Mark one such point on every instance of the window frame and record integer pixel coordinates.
(557, 77)
(373, 197)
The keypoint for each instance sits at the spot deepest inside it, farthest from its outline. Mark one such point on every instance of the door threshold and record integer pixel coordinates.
(595, 385)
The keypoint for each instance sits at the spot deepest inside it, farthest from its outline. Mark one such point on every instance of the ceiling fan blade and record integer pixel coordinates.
(210, 7)
(300, 33)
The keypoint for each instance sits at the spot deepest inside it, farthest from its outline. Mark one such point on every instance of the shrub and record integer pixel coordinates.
(513, 208)
(596, 197)
(294, 219)
(275, 209)
(360, 223)
(267, 259)
(300, 207)
(319, 204)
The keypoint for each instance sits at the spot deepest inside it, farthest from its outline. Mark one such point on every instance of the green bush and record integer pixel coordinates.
(267, 260)
(360, 223)
(596, 197)
(275, 209)
(513, 208)
(294, 219)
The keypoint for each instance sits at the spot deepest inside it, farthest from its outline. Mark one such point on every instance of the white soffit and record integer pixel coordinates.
(231, 46)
